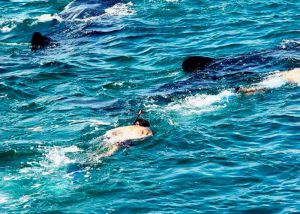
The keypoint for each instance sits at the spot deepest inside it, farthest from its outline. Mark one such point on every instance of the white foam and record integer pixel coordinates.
(24, 198)
(7, 178)
(274, 81)
(36, 185)
(3, 198)
(200, 103)
(95, 123)
(120, 9)
(14, 44)
(48, 17)
(7, 29)
(25, 170)
(92, 122)
(56, 157)
(118, 84)
(36, 129)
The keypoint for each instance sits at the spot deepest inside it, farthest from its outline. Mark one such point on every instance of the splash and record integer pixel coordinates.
(201, 103)
(56, 157)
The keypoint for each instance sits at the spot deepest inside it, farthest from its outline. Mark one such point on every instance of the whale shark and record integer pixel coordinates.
(82, 9)
(74, 11)
(208, 74)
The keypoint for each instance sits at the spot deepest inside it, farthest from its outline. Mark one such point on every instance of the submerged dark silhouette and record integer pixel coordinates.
(196, 63)
(39, 41)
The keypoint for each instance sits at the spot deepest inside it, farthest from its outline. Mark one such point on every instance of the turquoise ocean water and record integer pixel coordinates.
(212, 150)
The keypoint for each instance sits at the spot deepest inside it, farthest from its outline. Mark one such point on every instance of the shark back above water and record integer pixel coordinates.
(74, 11)
(81, 9)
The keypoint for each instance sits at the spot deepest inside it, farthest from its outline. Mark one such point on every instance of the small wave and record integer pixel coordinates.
(10, 24)
(36, 185)
(92, 122)
(120, 9)
(14, 44)
(36, 129)
(117, 85)
(48, 18)
(3, 96)
(7, 29)
(24, 198)
(3, 198)
(63, 65)
(201, 103)
(14, 93)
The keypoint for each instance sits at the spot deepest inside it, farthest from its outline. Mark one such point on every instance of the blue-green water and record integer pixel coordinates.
(211, 151)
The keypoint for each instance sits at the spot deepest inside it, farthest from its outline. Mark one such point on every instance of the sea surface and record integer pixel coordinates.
(212, 150)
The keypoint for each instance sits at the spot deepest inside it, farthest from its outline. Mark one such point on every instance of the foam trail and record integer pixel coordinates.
(201, 103)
